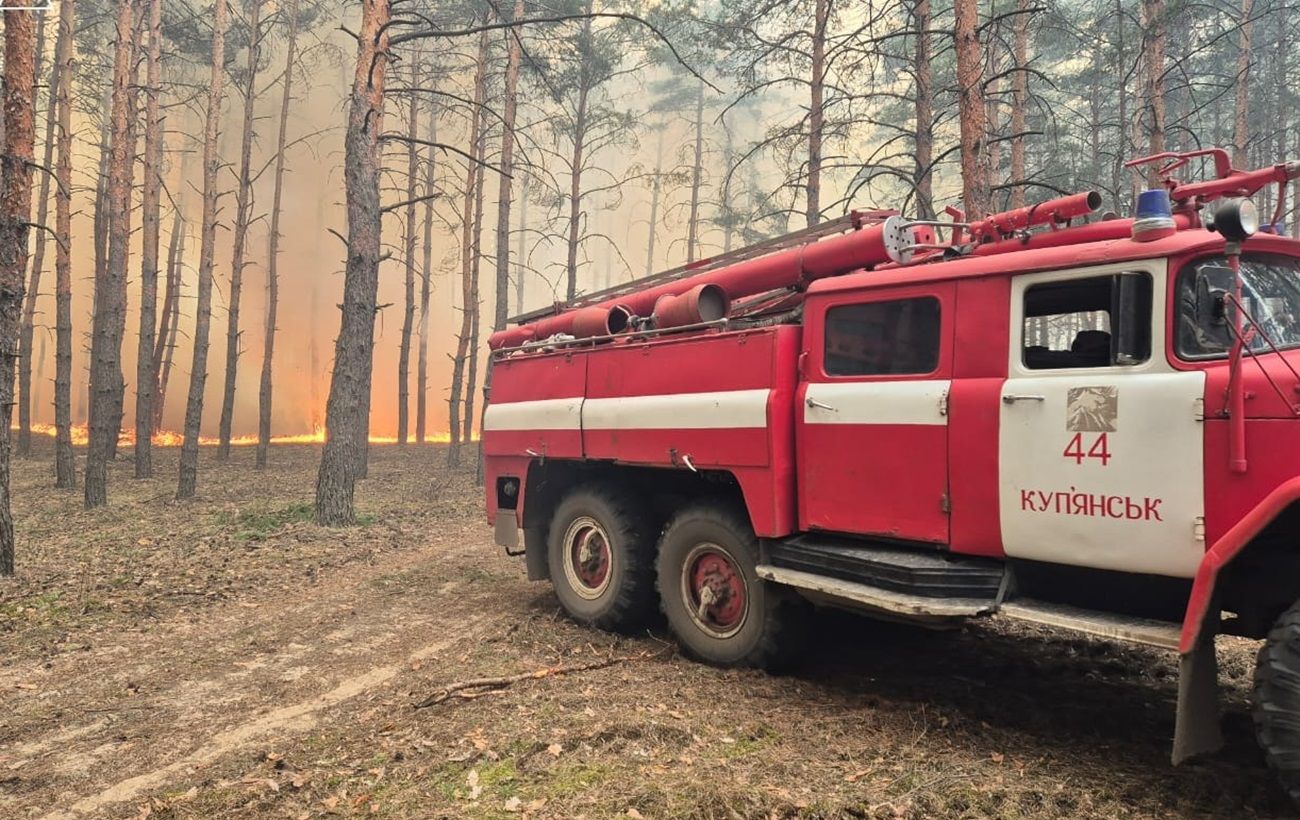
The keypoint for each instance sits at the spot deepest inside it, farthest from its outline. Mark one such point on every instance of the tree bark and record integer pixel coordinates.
(426, 280)
(165, 344)
(354, 348)
(475, 299)
(65, 463)
(243, 214)
(576, 160)
(923, 139)
(189, 462)
(1241, 102)
(109, 318)
(697, 171)
(519, 245)
(1019, 102)
(264, 390)
(15, 212)
(816, 112)
(38, 259)
(150, 207)
(409, 229)
(467, 267)
(1153, 56)
(656, 193)
(975, 170)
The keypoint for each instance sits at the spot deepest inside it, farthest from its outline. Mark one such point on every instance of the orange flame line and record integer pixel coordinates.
(170, 438)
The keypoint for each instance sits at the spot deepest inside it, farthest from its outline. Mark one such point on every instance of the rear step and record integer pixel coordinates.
(894, 569)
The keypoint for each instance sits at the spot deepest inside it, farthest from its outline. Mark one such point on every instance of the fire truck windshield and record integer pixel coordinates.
(1270, 290)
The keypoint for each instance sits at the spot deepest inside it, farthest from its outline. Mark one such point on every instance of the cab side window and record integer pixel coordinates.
(1099, 321)
(883, 338)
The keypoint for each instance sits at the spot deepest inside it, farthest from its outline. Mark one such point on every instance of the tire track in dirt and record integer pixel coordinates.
(298, 717)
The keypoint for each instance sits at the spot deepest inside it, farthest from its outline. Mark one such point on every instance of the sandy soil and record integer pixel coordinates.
(226, 657)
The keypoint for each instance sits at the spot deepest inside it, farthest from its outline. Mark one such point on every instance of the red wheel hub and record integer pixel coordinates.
(590, 558)
(717, 590)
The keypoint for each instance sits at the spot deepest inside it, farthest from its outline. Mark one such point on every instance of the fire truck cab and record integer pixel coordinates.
(1092, 426)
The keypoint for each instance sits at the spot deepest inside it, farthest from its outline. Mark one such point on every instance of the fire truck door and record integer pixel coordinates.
(1100, 439)
(872, 435)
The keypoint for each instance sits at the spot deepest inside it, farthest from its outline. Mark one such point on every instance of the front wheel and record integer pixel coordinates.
(1276, 700)
(719, 609)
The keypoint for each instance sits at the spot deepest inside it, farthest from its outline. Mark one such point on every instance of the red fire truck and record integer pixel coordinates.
(1088, 423)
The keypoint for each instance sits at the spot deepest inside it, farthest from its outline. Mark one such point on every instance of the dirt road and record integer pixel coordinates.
(227, 657)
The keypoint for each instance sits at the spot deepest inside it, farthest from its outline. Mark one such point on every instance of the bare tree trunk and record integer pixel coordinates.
(165, 344)
(243, 214)
(1019, 102)
(519, 245)
(575, 167)
(65, 462)
(15, 213)
(656, 191)
(408, 247)
(1241, 106)
(150, 205)
(273, 246)
(475, 302)
(468, 249)
(38, 259)
(816, 112)
(189, 463)
(353, 350)
(693, 225)
(510, 102)
(1153, 23)
(975, 171)
(426, 279)
(109, 320)
(924, 137)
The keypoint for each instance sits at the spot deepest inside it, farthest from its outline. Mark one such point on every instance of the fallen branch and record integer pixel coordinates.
(477, 688)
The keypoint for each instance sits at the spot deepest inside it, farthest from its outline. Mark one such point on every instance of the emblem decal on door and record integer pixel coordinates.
(1092, 409)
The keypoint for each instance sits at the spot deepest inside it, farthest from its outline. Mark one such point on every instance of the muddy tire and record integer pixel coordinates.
(1275, 700)
(720, 610)
(600, 550)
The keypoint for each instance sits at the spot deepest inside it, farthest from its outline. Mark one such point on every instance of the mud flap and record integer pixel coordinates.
(1196, 728)
(507, 531)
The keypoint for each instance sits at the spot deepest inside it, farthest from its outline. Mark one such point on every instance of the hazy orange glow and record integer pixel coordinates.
(170, 438)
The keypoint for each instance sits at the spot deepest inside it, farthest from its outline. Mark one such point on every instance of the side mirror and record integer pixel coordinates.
(1213, 284)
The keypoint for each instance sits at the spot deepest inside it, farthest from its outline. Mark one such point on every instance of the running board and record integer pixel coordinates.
(1162, 634)
(885, 600)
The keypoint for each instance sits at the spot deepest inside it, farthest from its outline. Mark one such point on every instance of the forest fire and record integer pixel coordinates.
(171, 438)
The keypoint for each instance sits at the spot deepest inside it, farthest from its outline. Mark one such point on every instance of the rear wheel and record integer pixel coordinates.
(599, 548)
(717, 606)
(1276, 700)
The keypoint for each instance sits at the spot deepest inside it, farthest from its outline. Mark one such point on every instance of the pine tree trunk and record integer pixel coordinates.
(475, 301)
(408, 247)
(519, 245)
(468, 304)
(109, 318)
(975, 170)
(656, 191)
(923, 140)
(15, 212)
(816, 111)
(576, 160)
(38, 259)
(1241, 106)
(501, 306)
(1019, 104)
(150, 207)
(165, 344)
(354, 348)
(697, 171)
(65, 463)
(426, 281)
(189, 462)
(273, 246)
(1153, 23)
(243, 213)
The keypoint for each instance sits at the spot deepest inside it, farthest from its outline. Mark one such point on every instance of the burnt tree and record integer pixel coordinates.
(151, 212)
(65, 464)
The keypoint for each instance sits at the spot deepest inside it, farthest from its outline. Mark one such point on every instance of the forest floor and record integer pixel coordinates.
(226, 657)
